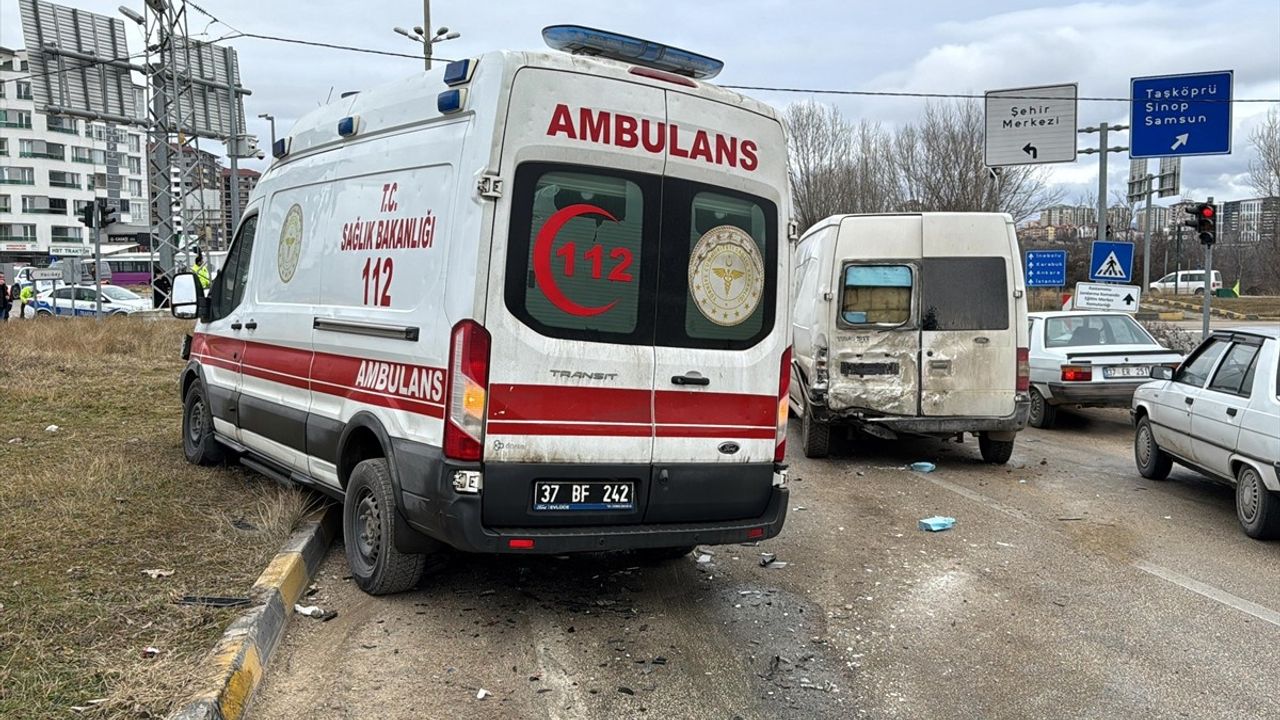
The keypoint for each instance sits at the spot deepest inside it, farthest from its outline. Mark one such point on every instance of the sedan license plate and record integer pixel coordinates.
(1127, 371)
(565, 495)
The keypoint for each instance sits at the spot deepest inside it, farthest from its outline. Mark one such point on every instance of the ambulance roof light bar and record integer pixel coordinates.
(579, 40)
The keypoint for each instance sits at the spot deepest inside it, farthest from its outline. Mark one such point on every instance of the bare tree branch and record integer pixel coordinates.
(1264, 170)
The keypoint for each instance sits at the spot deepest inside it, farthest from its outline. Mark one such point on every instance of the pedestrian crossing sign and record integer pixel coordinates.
(1111, 262)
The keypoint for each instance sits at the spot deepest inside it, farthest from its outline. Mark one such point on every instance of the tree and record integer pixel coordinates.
(1264, 170)
(837, 167)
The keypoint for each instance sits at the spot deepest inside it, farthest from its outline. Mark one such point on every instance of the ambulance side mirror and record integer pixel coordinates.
(186, 301)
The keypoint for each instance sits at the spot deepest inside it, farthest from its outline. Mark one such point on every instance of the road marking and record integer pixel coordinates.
(1251, 608)
(978, 498)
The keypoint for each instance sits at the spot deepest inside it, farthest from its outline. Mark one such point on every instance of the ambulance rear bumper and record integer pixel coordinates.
(429, 505)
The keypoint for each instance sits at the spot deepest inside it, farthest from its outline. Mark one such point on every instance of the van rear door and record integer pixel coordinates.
(572, 277)
(968, 333)
(875, 344)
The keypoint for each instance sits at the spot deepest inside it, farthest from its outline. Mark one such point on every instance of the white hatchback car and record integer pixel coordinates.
(1219, 414)
(1089, 359)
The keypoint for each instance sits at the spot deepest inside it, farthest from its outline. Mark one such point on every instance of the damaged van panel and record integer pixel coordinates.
(879, 375)
(962, 375)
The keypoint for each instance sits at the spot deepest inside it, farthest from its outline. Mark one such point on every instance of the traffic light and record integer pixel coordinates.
(87, 213)
(107, 213)
(1205, 222)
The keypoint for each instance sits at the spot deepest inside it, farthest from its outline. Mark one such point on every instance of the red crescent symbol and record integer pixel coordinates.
(542, 260)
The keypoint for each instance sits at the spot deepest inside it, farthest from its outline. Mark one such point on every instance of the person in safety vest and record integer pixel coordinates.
(201, 270)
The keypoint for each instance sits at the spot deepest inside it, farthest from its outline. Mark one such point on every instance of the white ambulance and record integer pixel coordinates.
(911, 324)
(531, 302)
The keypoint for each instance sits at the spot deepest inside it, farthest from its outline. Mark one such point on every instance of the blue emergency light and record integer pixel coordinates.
(349, 125)
(579, 40)
(451, 101)
(459, 72)
(281, 148)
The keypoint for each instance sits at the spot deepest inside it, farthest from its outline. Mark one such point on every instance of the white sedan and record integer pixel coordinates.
(1089, 359)
(82, 300)
(1219, 414)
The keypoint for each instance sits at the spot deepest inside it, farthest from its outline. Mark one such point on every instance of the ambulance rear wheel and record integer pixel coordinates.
(994, 452)
(815, 436)
(368, 533)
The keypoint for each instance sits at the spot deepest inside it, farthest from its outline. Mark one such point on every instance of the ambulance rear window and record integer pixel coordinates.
(577, 257)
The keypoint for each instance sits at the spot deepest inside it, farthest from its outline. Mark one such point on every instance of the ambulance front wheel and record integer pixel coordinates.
(368, 533)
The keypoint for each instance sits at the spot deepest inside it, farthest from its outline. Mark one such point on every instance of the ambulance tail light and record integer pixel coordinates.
(1024, 369)
(468, 389)
(784, 385)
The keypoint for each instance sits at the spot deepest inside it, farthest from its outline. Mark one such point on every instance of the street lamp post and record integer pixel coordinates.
(419, 34)
(271, 119)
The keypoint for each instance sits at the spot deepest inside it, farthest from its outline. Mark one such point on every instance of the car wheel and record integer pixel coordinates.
(42, 313)
(198, 443)
(1257, 508)
(1042, 413)
(994, 452)
(1153, 463)
(1199, 291)
(815, 436)
(368, 532)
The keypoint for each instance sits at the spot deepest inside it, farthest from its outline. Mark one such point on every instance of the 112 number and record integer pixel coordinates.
(596, 255)
(377, 281)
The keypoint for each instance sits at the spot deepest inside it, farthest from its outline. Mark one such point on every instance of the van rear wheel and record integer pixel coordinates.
(994, 452)
(368, 532)
(815, 436)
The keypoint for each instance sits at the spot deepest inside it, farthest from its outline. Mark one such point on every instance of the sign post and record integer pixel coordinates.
(1046, 268)
(1031, 126)
(1111, 262)
(1107, 297)
(1180, 115)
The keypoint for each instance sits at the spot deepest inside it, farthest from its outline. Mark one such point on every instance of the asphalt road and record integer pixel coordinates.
(1069, 588)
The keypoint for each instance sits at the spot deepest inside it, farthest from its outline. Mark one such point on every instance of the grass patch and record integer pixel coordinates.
(85, 510)
(1261, 305)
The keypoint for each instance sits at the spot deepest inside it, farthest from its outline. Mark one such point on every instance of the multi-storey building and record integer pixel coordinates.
(248, 181)
(51, 166)
(1250, 221)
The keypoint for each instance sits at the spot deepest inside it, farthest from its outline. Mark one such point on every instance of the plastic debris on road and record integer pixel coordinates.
(308, 610)
(150, 652)
(52, 429)
(157, 573)
(937, 523)
(922, 466)
(482, 694)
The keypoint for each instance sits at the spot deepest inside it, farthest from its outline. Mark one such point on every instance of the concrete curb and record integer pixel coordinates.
(236, 664)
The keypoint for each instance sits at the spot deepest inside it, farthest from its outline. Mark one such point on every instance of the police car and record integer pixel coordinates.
(529, 302)
(74, 300)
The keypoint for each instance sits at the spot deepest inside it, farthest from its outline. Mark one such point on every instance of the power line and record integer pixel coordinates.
(970, 96)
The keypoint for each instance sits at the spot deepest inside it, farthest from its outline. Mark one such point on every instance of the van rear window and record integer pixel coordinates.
(876, 295)
(965, 293)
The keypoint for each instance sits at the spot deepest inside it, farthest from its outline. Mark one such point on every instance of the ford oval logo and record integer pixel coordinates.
(729, 448)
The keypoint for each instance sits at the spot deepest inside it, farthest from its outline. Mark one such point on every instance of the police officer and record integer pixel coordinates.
(201, 270)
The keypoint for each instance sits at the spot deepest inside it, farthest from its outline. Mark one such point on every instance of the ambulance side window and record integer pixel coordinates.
(227, 289)
(580, 252)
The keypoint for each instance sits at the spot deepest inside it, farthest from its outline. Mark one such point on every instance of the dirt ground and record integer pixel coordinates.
(88, 506)
(1069, 588)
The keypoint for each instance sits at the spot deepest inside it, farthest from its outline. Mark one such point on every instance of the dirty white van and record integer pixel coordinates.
(911, 324)
(529, 302)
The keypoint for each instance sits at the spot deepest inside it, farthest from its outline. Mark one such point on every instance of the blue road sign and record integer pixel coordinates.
(1046, 268)
(1176, 115)
(1111, 262)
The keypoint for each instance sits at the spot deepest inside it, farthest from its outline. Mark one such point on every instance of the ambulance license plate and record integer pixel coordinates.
(566, 495)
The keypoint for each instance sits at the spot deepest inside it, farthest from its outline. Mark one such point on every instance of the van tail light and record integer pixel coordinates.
(1024, 369)
(784, 385)
(1077, 373)
(468, 389)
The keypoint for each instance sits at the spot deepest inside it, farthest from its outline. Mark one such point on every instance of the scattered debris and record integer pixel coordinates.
(922, 466)
(52, 429)
(308, 610)
(937, 523)
(91, 705)
(1004, 544)
(329, 615)
(482, 694)
(15, 441)
(1068, 518)
(150, 652)
(157, 573)
(213, 601)
(767, 559)
(626, 690)
(799, 507)
(703, 559)
(659, 660)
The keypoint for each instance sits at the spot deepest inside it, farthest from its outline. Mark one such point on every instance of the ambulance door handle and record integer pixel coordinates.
(690, 378)
(251, 325)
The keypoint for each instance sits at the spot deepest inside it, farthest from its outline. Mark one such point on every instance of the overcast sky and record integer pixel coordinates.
(916, 45)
